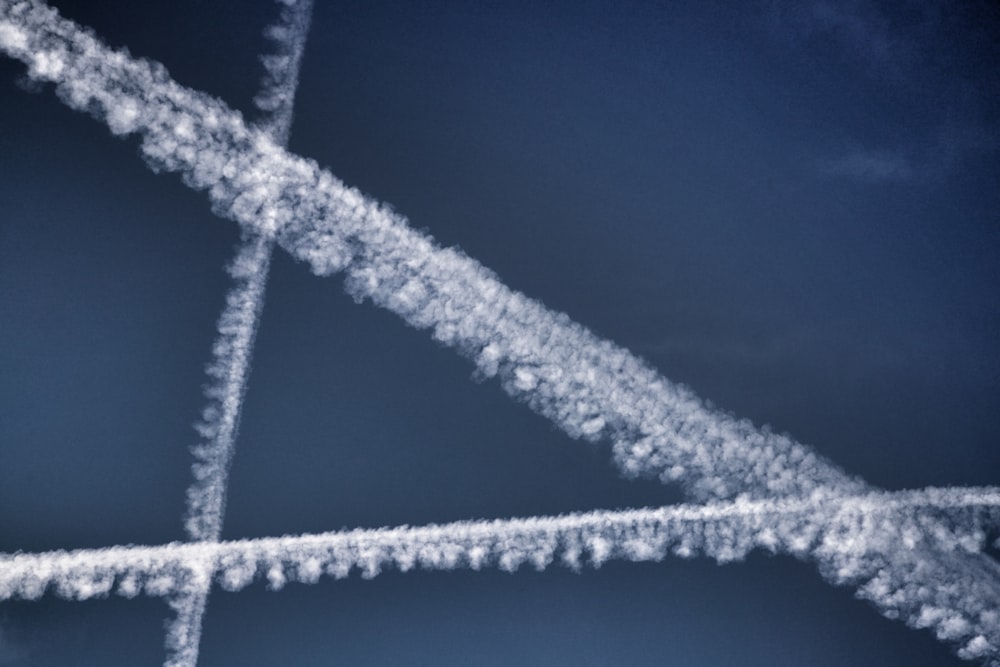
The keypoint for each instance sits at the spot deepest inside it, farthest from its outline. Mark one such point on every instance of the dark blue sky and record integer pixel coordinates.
(791, 208)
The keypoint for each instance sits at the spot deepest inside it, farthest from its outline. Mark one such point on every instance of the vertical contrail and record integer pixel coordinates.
(228, 373)
(229, 370)
(276, 98)
(587, 386)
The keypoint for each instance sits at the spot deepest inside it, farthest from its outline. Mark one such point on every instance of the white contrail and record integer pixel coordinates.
(589, 387)
(281, 77)
(230, 367)
(853, 533)
(229, 371)
(854, 528)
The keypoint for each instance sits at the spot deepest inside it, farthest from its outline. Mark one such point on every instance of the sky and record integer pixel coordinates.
(790, 208)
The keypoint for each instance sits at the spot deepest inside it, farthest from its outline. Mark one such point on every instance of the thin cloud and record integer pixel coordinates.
(921, 49)
(953, 143)
(889, 43)
(870, 167)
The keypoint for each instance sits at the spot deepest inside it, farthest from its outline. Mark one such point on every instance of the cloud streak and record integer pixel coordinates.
(870, 167)
(589, 387)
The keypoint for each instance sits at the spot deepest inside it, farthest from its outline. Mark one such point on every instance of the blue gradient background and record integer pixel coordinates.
(792, 210)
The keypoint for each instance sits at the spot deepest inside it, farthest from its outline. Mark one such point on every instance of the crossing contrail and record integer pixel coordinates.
(589, 387)
(229, 370)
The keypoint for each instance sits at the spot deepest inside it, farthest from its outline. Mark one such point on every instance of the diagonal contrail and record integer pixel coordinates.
(229, 370)
(589, 387)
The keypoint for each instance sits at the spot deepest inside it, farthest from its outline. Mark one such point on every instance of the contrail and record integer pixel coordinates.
(852, 527)
(853, 533)
(591, 388)
(230, 367)
(229, 372)
(281, 69)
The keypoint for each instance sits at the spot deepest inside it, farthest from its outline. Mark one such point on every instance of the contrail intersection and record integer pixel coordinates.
(590, 388)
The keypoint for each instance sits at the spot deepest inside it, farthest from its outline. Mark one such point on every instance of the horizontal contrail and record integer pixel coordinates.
(230, 367)
(850, 528)
(590, 388)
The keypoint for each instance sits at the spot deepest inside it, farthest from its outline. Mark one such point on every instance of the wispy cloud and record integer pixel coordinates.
(924, 163)
(870, 166)
(862, 29)
(920, 48)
